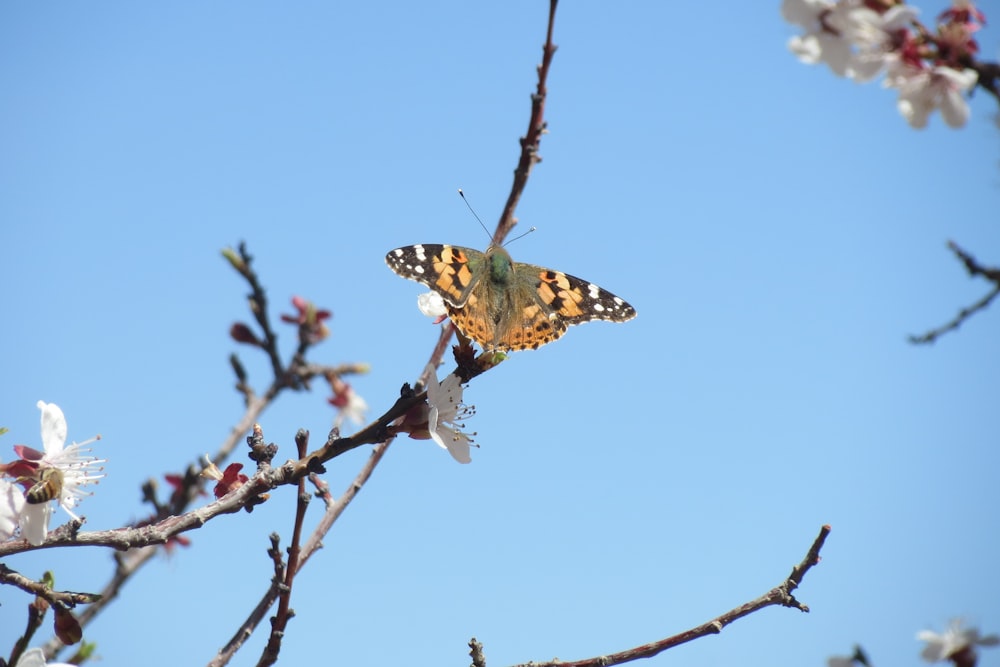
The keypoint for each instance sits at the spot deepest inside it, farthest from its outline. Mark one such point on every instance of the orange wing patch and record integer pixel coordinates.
(453, 274)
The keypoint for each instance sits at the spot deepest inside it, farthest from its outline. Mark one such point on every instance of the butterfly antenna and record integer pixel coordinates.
(520, 236)
(462, 195)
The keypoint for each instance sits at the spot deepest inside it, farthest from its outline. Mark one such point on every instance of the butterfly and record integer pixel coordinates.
(502, 304)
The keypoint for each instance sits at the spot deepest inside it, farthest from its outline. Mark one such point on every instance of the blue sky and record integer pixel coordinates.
(779, 231)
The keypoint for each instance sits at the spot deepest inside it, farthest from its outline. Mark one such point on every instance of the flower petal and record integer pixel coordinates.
(431, 304)
(452, 439)
(11, 506)
(53, 427)
(35, 522)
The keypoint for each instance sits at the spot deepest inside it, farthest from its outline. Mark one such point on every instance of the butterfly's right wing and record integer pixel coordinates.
(451, 271)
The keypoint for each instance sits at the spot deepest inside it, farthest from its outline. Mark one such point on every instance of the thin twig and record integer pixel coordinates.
(136, 556)
(532, 139)
(67, 598)
(779, 595)
(258, 307)
(141, 552)
(285, 613)
(974, 269)
(334, 509)
(36, 614)
(315, 541)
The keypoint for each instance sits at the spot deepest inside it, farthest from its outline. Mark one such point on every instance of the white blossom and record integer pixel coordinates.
(952, 640)
(73, 467)
(825, 24)
(921, 91)
(11, 506)
(872, 37)
(446, 410)
(354, 409)
(432, 305)
(34, 657)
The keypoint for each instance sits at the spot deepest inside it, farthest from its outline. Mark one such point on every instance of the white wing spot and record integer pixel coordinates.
(419, 249)
(618, 301)
(398, 252)
(594, 291)
(598, 307)
(418, 269)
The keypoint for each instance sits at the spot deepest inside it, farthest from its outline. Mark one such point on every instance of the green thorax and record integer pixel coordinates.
(500, 266)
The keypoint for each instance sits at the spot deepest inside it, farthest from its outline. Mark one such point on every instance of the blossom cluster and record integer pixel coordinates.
(31, 484)
(862, 39)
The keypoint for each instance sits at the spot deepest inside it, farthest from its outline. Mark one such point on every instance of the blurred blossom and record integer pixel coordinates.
(921, 91)
(953, 641)
(350, 403)
(824, 24)
(309, 320)
(34, 657)
(861, 40)
(877, 40)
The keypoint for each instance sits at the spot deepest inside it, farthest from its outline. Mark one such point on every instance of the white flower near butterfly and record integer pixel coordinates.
(432, 305)
(446, 414)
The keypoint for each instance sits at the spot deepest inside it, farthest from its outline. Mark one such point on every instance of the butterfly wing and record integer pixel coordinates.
(576, 300)
(451, 271)
(545, 302)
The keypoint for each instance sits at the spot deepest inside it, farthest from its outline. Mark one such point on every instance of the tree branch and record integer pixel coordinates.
(974, 269)
(67, 598)
(280, 621)
(532, 139)
(315, 542)
(779, 595)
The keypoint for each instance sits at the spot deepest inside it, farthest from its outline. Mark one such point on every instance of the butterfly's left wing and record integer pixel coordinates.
(451, 271)
(546, 302)
(575, 300)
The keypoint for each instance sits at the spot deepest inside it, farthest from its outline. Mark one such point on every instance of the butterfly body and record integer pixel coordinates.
(502, 304)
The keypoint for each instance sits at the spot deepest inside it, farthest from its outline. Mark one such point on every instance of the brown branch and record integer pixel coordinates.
(333, 509)
(989, 74)
(972, 266)
(137, 555)
(264, 480)
(779, 595)
(285, 613)
(532, 139)
(66, 598)
(315, 542)
(258, 307)
(36, 615)
(974, 269)
(127, 565)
